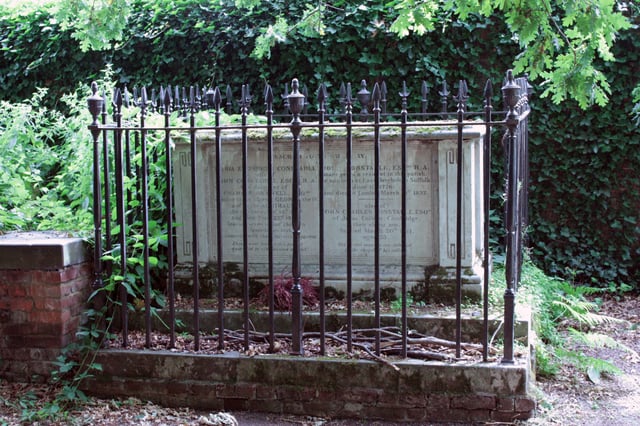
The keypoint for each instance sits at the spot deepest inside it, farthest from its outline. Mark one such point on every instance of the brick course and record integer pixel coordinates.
(384, 396)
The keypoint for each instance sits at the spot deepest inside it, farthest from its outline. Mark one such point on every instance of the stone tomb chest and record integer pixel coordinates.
(431, 207)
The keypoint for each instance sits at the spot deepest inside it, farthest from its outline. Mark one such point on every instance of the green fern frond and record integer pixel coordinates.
(599, 340)
(582, 312)
(587, 363)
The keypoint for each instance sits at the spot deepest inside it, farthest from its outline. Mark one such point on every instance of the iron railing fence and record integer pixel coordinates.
(123, 176)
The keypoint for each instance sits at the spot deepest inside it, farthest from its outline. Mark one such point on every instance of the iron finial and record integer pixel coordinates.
(95, 103)
(364, 96)
(296, 99)
(208, 98)
(510, 91)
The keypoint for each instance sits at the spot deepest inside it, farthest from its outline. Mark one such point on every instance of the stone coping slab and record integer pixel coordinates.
(48, 250)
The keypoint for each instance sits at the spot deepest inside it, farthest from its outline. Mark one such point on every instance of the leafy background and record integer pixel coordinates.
(585, 184)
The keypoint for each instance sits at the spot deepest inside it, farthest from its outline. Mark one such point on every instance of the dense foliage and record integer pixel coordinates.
(585, 185)
(44, 180)
(585, 191)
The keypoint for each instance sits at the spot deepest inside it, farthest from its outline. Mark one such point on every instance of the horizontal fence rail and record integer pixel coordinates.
(135, 196)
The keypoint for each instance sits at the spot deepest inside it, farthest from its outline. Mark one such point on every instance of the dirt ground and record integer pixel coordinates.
(570, 398)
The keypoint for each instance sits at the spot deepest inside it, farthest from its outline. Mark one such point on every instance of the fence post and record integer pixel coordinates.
(511, 94)
(296, 102)
(95, 103)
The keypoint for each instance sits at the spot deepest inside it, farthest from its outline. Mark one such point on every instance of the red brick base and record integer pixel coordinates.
(40, 311)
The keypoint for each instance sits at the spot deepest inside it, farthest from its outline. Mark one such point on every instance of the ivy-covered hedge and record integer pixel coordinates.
(585, 193)
(585, 181)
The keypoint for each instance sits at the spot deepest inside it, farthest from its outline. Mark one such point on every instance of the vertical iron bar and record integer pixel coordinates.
(128, 171)
(217, 101)
(108, 267)
(376, 225)
(268, 100)
(136, 194)
(322, 97)
(296, 102)
(244, 110)
(486, 174)
(403, 214)
(510, 93)
(169, 219)
(194, 217)
(459, 253)
(121, 218)
(525, 92)
(95, 104)
(349, 120)
(145, 223)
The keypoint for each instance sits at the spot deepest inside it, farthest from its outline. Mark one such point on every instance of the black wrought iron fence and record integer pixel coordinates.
(135, 195)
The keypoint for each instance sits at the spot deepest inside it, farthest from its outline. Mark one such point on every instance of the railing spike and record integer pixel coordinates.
(383, 97)
(127, 99)
(192, 97)
(322, 95)
(424, 91)
(488, 90)
(143, 99)
(117, 98)
(229, 98)
(167, 100)
(268, 94)
(161, 99)
(247, 95)
(405, 93)
(217, 98)
(375, 94)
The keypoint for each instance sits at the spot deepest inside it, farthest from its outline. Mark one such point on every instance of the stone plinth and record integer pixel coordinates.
(431, 206)
(44, 284)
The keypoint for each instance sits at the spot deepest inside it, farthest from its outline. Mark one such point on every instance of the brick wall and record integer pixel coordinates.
(418, 392)
(44, 285)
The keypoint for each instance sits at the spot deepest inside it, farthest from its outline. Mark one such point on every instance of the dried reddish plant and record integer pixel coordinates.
(282, 285)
